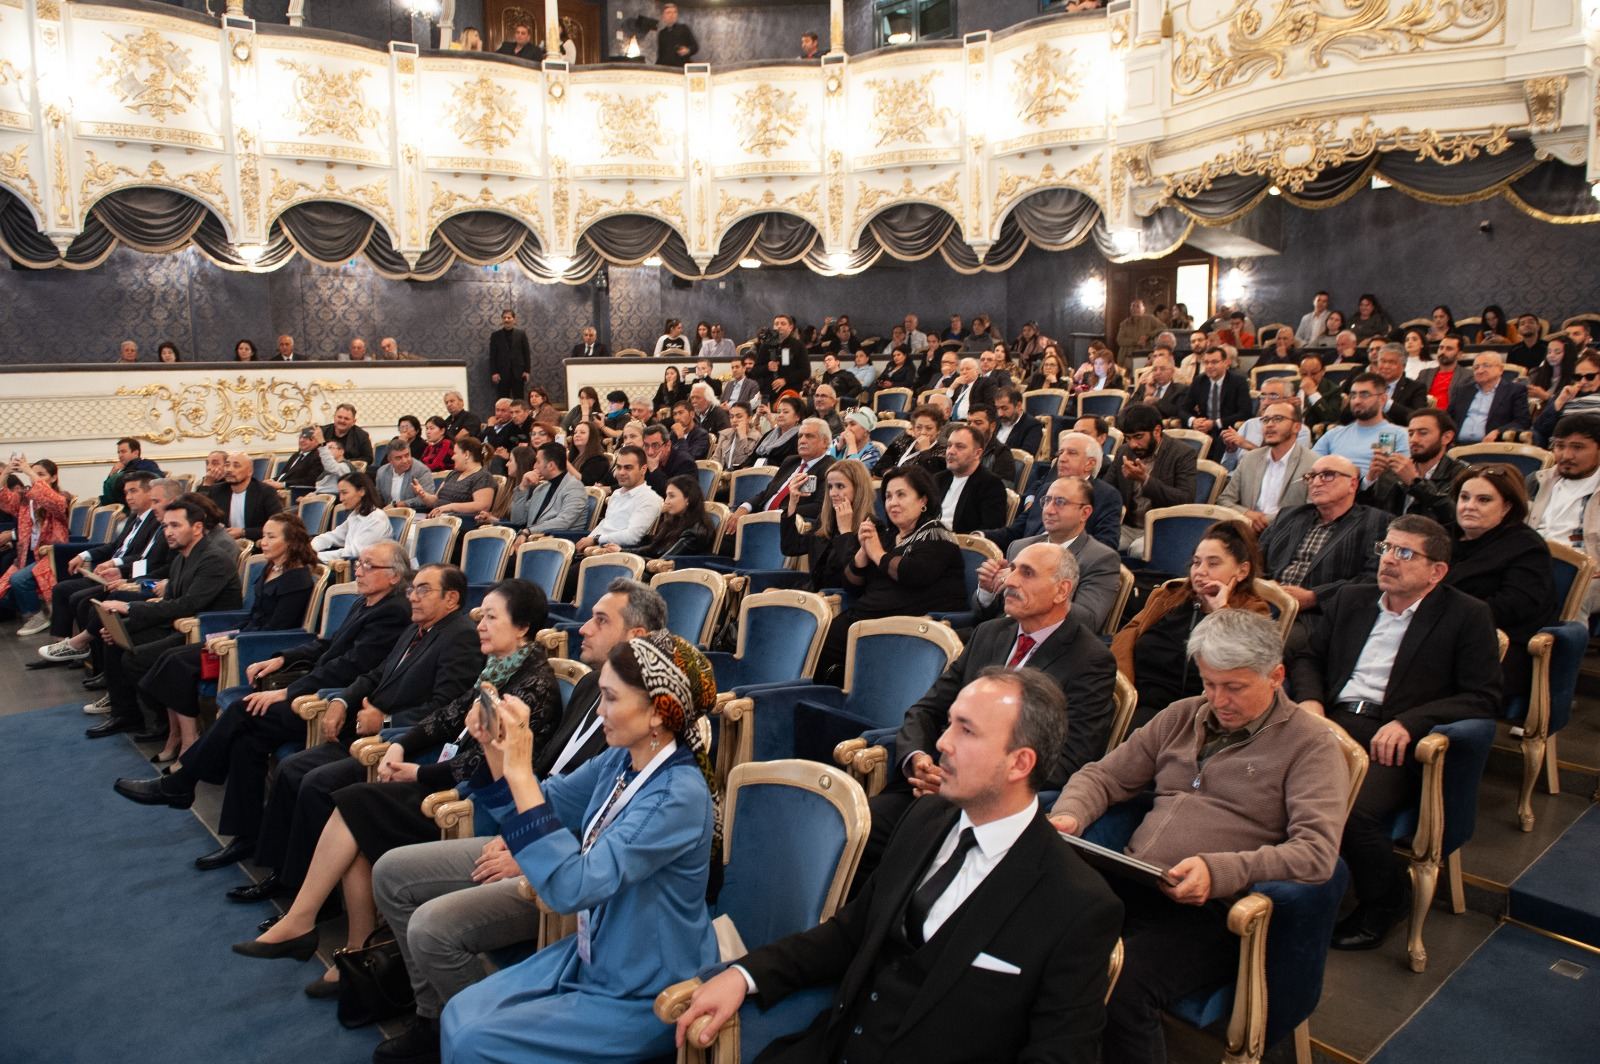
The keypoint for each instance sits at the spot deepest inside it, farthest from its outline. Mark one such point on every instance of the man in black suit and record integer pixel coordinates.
(344, 431)
(1038, 630)
(997, 457)
(1495, 404)
(1013, 427)
(810, 459)
(970, 388)
(451, 901)
(1159, 389)
(1405, 394)
(460, 419)
(128, 555)
(286, 350)
(1078, 455)
(510, 358)
(784, 365)
(1388, 662)
(431, 664)
(1150, 472)
(201, 579)
(246, 502)
(303, 468)
(1218, 399)
(255, 722)
(521, 45)
(707, 414)
(666, 460)
(982, 937)
(973, 497)
(590, 346)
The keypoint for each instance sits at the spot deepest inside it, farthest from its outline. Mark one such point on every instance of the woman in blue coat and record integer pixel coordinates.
(626, 843)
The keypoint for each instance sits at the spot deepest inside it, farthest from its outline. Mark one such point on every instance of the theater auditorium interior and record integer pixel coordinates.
(798, 530)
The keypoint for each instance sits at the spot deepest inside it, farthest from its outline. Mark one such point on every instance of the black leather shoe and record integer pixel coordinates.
(417, 1044)
(232, 853)
(47, 664)
(321, 988)
(152, 736)
(112, 725)
(96, 682)
(267, 889)
(1366, 927)
(163, 790)
(268, 922)
(301, 948)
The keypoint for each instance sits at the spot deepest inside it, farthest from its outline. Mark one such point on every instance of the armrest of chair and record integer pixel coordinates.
(1428, 840)
(844, 755)
(736, 741)
(189, 627)
(660, 565)
(220, 621)
(451, 812)
(369, 751)
(553, 926)
(339, 570)
(674, 1000)
(310, 709)
(1247, 1026)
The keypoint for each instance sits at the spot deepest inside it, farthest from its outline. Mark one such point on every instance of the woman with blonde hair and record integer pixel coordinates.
(831, 542)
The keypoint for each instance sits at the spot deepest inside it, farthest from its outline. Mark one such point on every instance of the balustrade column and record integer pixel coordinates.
(835, 27)
(552, 30)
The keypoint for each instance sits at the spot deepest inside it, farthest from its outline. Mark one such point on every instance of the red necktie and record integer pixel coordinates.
(1019, 655)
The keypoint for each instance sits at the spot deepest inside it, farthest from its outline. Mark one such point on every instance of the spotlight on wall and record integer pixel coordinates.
(1092, 292)
(653, 260)
(428, 9)
(1234, 287)
(1379, 184)
(749, 264)
(1594, 190)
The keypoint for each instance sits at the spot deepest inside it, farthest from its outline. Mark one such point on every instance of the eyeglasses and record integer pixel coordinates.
(1326, 476)
(1365, 395)
(419, 590)
(1276, 419)
(368, 567)
(1405, 554)
(1060, 500)
(1585, 376)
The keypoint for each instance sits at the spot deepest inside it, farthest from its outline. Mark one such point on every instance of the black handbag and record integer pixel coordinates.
(277, 681)
(373, 982)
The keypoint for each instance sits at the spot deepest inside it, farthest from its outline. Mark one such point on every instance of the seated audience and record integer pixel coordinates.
(1498, 404)
(671, 343)
(589, 345)
(243, 351)
(997, 457)
(684, 529)
(130, 459)
(503, 433)
(1527, 346)
(855, 441)
(1326, 541)
(1581, 396)
(370, 819)
(1389, 662)
(461, 419)
(1566, 497)
(1150, 472)
(548, 498)
(468, 488)
(921, 443)
(1313, 324)
(779, 444)
(1492, 327)
(1553, 374)
(138, 547)
(1097, 373)
(671, 390)
(825, 405)
(1422, 482)
(1268, 479)
(836, 377)
(901, 372)
(352, 437)
(971, 497)
(403, 478)
(1370, 321)
(32, 495)
(911, 566)
(331, 457)
(279, 603)
(301, 470)
(541, 410)
(1402, 394)
(1159, 388)
(1152, 649)
(1052, 372)
(1319, 398)
(735, 447)
(1065, 508)
(586, 454)
(1414, 346)
(983, 839)
(631, 510)
(664, 460)
(586, 409)
(1077, 455)
(829, 542)
(366, 524)
(1218, 398)
(1249, 436)
(1279, 820)
(1014, 429)
(810, 457)
(643, 865)
(743, 385)
(438, 450)
(708, 416)
(1369, 430)
(215, 462)
(1442, 379)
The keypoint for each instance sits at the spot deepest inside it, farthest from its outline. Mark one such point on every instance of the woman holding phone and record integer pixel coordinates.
(831, 542)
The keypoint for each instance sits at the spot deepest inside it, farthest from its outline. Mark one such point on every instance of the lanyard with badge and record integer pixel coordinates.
(621, 794)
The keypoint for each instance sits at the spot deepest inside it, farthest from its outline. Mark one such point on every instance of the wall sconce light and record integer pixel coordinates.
(633, 51)
(653, 260)
(749, 264)
(1092, 292)
(428, 9)
(1379, 184)
(250, 254)
(838, 261)
(1274, 190)
(1234, 287)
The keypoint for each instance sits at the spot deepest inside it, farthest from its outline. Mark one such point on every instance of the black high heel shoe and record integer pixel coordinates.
(301, 948)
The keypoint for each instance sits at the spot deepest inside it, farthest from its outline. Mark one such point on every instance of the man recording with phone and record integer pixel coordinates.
(811, 460)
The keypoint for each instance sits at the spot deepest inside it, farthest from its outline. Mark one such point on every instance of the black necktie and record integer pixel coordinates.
(1216, 398)
(922, 901)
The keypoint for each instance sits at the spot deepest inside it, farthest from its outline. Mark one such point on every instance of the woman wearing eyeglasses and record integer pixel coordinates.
(1152, 649)
(1580, 396)
(1498, 558)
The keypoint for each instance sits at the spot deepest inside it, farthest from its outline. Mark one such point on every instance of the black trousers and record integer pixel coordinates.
(300, 805)
(236, 751)
(1169, 950)
(1376, 872)
(126, 669)
(68, 601)
(174, 681)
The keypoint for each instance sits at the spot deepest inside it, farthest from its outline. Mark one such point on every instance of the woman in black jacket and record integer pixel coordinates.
(586, 455)
(1496, 557)
(684, 528)
(909, 567)
(830, 543)
(670, 391)
(899, 373)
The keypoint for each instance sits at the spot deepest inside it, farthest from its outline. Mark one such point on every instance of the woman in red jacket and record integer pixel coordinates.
(41, 512)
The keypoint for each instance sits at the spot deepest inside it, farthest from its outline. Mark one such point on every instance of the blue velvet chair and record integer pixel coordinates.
(975, 550)
(757, 555)
(888, 430)
(1103, 402)
(595, 573)
(1209, 480)
(261, 466)
(1536, 715)
(746, 484)
(1171, 534)
(889, 664)
(314, 510)
(340, 516)
(260, 645)
(1190, 438)
(694, 599)
(1523, 457)
(400, 518)
(892, 402)
(1051, 402)
(78, 518)
(544, 562)
(103, 523)
(709, 472)
(793, 834)
(485, 554)
(433, 539)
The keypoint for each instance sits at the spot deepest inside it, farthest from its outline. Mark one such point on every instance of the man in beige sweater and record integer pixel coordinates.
(1248, 787)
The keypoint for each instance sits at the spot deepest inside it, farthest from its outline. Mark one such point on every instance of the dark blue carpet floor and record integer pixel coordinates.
(113, 947)
(1559, 893)
(1520, 997)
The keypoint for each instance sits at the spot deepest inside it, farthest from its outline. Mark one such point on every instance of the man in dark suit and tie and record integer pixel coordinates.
(1389, 662)
(255, 721)
(1078, 455)
(973, 497)
(246, 502)
(510, 358)
(1496, 404)
(810, 459)
(303, 468)
(1159, 389)
(432, 663)
(1218, 399)
(590, 346)
(137, 544)
(1065, 506)
(982, 937)
(1405, 394)
(200, 579)
(969, 389)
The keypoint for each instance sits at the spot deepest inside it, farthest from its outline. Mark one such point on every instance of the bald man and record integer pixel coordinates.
(246, 502)
(1313, 548)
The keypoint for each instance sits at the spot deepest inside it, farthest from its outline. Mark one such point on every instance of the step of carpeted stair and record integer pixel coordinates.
(1557, 893)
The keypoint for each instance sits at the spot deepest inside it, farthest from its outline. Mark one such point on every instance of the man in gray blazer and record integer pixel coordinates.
(550, 498)
(1066, 504)
(1268, 479)
(403, 477)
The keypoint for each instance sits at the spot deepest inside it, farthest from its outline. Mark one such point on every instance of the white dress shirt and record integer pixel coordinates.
(1370, 678)
(236, 509)
(354, 536)
(629, 514)
(1273, 480)
(1563, 515)
(952, 498)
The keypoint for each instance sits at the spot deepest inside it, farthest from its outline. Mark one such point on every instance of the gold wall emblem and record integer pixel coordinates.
(903, 111)
(1544, 102)
(629, 125)
(484, 115)
(1044, 87)
(151, 75)
(239, 409)
(1252, 45)
(328, 103)
(14, 167)
(768, 117)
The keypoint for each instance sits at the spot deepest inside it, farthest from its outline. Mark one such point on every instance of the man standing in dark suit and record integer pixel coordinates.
(983, 937)
(246, 502)
(510, 358)
(430, 665)
(1389, 662)
(256, 720)
(590, 346)
(1150, 472)
(973, 497)
(1218, 399)
(201, 579)
(675, 43)
(784, 365)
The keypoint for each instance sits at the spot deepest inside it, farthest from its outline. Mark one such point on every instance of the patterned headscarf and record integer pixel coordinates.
(681, 687)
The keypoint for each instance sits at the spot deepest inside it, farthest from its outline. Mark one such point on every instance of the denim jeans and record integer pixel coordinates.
(25, 592)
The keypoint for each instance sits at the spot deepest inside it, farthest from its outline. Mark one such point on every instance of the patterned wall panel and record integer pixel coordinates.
(732, 34)
(636, 307)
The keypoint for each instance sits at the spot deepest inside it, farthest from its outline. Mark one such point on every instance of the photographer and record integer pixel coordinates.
(783, 365)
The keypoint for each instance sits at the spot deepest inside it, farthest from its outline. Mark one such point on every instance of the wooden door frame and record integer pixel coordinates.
(1119, 281)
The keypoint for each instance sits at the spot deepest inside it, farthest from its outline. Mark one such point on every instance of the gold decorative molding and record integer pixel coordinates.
(702, 225)
(629, 125)
(446, 202)
(14, 167)
(835, 196)
(406, 65)
(151, 75)
(1129, 164)
(1544, 96)
(485, 115)
(1043, 85)
(60, 180)
(561, 200)
(1087, 177)
(48, 10)
(411, 186)
(903, 111)
(590, 207)
(204, 184)
(9, 73)
(767, 118)
(249, 179)
(224, 410)
(286, 191)
(802, 203)
(329, 103)
(1251, 45)
(946, 193)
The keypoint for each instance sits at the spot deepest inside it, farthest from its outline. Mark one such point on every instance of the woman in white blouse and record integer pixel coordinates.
(366, 525)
